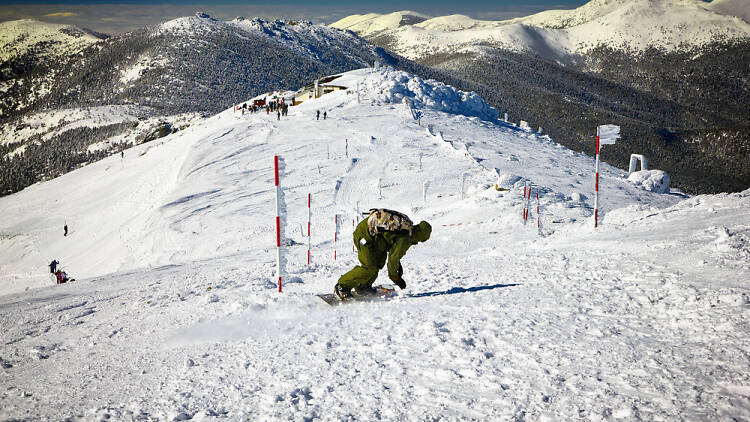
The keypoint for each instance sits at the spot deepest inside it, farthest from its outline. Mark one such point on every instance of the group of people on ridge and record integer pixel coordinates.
(277, 105)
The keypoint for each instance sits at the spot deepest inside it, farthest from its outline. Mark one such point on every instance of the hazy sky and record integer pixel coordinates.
(104, 16)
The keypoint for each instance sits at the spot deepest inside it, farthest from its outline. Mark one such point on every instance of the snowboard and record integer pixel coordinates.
(382, 293)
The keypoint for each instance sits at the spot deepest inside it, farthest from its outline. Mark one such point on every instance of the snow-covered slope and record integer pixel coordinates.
(45, 39)
(631, 25)
(175, 312)
(193, 64)
(374, 23)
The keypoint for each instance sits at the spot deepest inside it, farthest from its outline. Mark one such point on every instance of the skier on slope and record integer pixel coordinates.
(384, 234)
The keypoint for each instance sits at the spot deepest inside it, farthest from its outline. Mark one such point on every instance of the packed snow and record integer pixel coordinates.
(175, 312)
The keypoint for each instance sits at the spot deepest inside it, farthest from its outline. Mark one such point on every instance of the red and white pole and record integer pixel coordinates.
(278, 219)
(596, 185)
(309, 197)
(353, 227)
(524, 204)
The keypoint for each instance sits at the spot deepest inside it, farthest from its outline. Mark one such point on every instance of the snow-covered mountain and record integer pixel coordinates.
(27, 48)
(672, 73)
(630, 25)
(45, 40)
(193, 64)
(175, 314)
(371, 24)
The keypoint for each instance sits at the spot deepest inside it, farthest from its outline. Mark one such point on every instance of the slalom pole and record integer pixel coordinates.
(309, 196)
(278, 219)
(596, 185)
(523, 216)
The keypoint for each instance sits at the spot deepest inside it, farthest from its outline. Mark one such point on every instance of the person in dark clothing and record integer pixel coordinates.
(65, 229)
(325, 113)
(317, 115)
(53, 266)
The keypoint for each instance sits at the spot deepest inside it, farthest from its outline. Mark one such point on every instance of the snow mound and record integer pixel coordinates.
(652, 180)
(394, 86)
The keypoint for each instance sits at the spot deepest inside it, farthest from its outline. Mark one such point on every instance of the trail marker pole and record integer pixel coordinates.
(328, 152)
(463, 180)
(596, 183)
(380, 190)
(538, 216)
(528, 203)
(278, 218)
(424, 191)
(347, 148)
(353, 227)
(309, 197)
(605, 134)
(523, 216)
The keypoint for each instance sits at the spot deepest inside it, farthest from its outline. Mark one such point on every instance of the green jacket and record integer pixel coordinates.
(395, 244)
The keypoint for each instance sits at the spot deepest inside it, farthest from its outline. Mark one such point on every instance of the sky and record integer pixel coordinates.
(113, 18)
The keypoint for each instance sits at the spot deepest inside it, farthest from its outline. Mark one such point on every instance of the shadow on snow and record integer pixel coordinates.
(457, 290)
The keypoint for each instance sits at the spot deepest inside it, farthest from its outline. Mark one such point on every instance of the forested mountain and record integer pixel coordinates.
(190, 64)
(675, 79)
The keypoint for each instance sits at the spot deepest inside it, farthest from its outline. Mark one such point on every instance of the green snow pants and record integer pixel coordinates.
(366, 274)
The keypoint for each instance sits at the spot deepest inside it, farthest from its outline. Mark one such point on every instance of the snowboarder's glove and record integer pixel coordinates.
(399, 281)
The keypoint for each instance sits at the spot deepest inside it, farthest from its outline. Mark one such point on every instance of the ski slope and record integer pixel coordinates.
(175, 313)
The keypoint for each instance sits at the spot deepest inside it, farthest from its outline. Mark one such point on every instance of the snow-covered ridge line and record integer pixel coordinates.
(20, 36)
(630, 25)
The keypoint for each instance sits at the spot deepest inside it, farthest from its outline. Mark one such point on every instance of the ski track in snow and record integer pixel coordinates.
(175, 314)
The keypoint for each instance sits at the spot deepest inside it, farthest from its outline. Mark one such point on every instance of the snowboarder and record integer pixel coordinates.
(317, 115)
(122, 154)
(53, 266)
(325, 113)
(278, 115)
(65, 229)
(384, 234)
